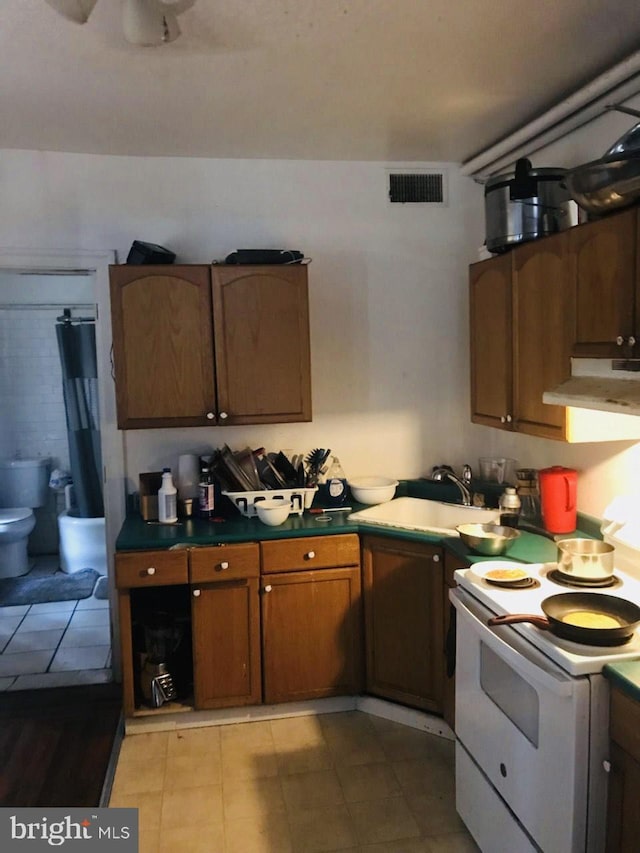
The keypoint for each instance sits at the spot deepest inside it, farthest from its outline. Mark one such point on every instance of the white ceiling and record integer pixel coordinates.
(390, 80)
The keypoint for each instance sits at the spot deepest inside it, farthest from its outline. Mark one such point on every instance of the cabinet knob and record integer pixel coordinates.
(211, 416)
(436, 558)
(509, 419)
(619, 340)
(631, 341)
(151, 570)
(268, 588)
(503, 419)
(310, 555)
(224, 565)
(607, 766)
(196, 593)
(223, 416)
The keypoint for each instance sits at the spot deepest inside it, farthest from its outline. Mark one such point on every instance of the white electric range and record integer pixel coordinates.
(532, 713)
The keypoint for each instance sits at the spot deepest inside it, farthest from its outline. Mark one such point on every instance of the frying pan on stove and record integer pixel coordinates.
(584, 617)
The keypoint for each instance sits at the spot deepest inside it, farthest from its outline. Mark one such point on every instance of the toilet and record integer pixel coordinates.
(23, 487)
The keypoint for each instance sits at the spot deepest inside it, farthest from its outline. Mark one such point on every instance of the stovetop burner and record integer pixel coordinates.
(525, 583)
(558, 577)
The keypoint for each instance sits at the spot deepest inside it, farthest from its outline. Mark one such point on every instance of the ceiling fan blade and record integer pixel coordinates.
(73, 10)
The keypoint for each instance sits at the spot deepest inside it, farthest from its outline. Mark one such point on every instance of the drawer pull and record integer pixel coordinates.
(310, 555)
(268, 588)
(224, 565)
(196, 593)
(151, 570)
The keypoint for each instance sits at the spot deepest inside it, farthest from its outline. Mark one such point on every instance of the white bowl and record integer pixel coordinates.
(372, 490)
(273, 512)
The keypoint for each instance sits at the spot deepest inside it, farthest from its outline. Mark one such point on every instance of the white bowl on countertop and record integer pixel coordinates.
(372, 490)
(273, 512)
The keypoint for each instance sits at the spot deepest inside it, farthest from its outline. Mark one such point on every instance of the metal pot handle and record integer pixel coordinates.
(523, 185)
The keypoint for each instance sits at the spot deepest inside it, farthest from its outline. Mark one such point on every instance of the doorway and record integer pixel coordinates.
(51, 642)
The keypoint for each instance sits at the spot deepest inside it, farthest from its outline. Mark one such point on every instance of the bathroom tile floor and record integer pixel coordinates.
(57, 644)
(342, 781)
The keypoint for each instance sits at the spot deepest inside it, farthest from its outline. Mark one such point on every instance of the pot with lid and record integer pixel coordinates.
(526, 204)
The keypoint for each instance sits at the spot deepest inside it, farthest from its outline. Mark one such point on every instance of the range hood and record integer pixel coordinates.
(603, 385)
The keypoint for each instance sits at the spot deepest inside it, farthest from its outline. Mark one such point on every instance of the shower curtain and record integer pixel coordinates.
(77, 347)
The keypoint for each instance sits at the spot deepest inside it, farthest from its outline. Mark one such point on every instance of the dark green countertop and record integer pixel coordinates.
(625, 675)
(137, 534)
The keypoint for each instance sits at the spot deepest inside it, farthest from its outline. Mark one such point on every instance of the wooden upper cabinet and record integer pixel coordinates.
(162, 345)
(261, 321)
(542, 333)
(491, 351)
(605, 280)
(521, 337)
(171, 370)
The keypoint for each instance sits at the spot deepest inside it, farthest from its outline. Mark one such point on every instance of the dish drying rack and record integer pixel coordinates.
(299, 499)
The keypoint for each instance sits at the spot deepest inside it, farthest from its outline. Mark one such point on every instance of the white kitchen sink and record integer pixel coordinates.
(425, 515)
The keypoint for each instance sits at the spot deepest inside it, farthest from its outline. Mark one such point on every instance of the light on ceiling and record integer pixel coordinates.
(147, 23)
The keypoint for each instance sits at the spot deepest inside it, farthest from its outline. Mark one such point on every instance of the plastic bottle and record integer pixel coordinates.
(167, 499)
(336, 483)
(509, 507)
(206, 499)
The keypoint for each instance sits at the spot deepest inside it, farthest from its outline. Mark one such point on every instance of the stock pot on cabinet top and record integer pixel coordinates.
(526, 204)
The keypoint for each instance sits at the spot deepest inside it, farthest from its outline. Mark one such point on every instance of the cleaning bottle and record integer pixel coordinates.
(206, 500)
(336, 483)
(167, 499)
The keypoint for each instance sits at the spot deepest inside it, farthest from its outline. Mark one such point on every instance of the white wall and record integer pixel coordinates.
(388, 286)
(604, 470)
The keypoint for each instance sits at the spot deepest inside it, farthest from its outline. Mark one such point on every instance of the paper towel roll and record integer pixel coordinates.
(188, 475)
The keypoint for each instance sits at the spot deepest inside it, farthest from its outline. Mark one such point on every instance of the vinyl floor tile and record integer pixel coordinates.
(252, 788)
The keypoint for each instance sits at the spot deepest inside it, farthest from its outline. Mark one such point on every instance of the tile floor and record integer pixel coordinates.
(57, 644)
(344, 781)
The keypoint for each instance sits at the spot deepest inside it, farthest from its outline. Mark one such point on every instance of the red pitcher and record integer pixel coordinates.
(558, 488)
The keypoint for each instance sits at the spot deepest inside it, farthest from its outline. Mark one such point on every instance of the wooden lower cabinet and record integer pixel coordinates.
(623, 814)
(403, 585)
(451, 564)
(225, 625)
(311, 634)
(311, 617)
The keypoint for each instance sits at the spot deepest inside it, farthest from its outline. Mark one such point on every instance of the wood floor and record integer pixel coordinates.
(58, 747)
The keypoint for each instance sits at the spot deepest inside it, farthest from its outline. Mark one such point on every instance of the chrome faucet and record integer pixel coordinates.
(442, 474)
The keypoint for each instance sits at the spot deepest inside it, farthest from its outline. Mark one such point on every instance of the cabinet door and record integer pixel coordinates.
(261, 318)
(623, 815)
(491, 355)
(451, 563)
(404, 625)
(226, 643)
(311, 634)
(162, 345)
(603, 274)
(542, 333)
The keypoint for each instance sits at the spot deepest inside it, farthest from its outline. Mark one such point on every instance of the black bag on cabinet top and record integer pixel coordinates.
(149, 253)
(264, 256)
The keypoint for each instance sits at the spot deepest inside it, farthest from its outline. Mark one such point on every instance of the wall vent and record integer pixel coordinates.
(416, 188)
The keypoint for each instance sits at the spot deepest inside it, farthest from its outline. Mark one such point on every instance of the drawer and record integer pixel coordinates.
(151, 568)
(624, 725)
(310, 552)
(224, 562)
